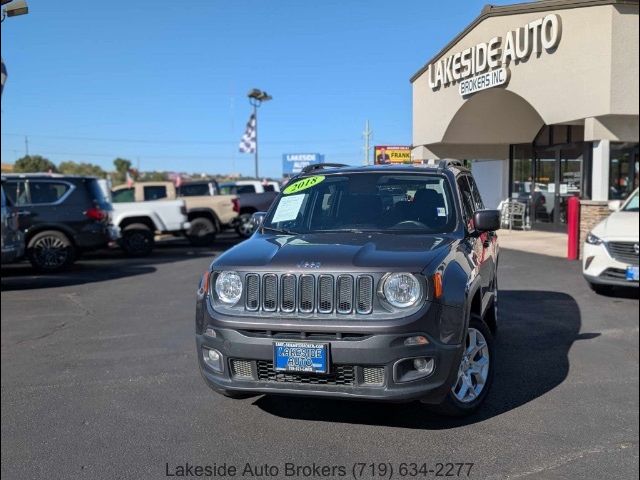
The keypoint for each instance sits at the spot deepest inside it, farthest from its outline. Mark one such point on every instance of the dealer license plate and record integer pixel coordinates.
(300, 357)
(632, 274)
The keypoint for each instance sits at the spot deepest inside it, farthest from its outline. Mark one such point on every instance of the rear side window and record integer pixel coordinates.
(123, 195)
(245, 189)
(155, 192)
(97, 194)
(196, 190)
(47, 192)
(269, 188)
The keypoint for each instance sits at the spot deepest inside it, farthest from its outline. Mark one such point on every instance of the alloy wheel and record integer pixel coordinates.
(245, 228)
(474, 368)
(50, 252)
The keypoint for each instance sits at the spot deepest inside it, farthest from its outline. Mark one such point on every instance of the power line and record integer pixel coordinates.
(177, 156)
(186, 142)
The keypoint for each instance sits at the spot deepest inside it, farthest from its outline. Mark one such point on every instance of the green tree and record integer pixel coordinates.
(89, 169)
(122, 167)
(34, 163)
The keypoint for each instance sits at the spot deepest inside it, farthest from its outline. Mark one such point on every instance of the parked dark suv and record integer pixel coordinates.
(360, 282)
(62, 216)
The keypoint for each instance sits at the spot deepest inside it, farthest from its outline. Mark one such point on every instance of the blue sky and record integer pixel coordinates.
(164, 83)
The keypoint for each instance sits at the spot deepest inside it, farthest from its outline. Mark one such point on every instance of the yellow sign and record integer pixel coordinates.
(303, 184)
(397, 154)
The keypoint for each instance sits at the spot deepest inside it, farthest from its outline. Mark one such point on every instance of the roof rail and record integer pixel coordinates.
(449, 162)
(319, 166)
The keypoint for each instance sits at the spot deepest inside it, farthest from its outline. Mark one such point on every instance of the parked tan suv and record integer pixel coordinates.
(207, 214)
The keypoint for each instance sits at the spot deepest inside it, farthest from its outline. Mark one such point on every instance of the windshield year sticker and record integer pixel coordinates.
(288, 208)
(303, 184)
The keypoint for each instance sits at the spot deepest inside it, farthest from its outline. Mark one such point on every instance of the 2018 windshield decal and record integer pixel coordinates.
(303, 184)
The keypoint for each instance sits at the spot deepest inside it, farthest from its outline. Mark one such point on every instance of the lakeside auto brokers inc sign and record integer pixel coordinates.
(293, 163)
(486, 64)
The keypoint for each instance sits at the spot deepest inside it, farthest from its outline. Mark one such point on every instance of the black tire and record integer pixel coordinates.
(601, 289)
(244, 226)
(51, 251)
(137, 240)
(452, 406)
(202, 232)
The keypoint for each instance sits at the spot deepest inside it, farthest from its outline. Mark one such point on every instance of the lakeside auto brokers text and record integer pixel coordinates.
(543, 34)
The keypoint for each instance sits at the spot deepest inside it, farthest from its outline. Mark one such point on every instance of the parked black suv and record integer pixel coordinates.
(360, 282)
(62, 216)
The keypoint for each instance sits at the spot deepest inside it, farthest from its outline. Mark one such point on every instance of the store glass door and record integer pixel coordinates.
(557, 177)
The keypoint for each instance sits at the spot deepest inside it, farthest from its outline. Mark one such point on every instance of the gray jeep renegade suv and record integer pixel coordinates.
(374, 283)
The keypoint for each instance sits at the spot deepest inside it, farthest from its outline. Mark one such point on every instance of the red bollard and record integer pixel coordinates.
(573, 227)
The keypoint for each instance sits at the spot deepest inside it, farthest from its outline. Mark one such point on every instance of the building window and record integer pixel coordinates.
(623, 170)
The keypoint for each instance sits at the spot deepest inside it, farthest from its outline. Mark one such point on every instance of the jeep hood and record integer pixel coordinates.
(336, 252)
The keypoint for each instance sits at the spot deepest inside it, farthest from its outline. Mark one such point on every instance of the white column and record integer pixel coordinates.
(600, 171)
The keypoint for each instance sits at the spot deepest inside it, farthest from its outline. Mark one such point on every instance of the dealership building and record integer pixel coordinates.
(542, 97)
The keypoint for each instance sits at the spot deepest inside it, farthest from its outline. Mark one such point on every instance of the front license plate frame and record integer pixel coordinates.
(302, 357)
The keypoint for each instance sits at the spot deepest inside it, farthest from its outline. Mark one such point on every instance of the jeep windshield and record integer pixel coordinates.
(364, 202)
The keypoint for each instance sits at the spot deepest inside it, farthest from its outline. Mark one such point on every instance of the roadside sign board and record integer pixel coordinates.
(293, 163)
(384, 154)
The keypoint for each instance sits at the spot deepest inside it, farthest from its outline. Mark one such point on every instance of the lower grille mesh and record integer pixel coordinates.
(373, 375)
(342, 375)
(241, 368)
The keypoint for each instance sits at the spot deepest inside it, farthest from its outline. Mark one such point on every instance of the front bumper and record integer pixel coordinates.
(352, 360)
(599, 268)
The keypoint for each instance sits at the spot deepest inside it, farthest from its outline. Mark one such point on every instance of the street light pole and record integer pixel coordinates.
(255, 104)
(256, 97)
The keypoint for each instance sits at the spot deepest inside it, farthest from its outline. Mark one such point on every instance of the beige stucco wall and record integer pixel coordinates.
(592, 73)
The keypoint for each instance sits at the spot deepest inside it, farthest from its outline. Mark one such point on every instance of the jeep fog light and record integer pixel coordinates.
(410, 369)
(229, 287)
(213, 359)
(423, 365)
(402, 290)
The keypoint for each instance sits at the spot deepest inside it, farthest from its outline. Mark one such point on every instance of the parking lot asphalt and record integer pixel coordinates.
(100, 380)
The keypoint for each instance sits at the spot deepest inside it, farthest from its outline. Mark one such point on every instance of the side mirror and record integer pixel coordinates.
(257, 219)
(486, 220)
(615, 205)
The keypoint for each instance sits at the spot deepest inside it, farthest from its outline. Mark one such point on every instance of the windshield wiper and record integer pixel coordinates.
(283, 231)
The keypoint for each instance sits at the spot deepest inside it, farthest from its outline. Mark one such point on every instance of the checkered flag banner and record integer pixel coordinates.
(4, 76)
(248, 142)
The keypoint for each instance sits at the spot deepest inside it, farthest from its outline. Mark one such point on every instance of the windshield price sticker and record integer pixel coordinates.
(303, 184)
(288, 208)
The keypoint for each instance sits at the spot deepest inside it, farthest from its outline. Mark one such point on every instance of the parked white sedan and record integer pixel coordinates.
(610, 252)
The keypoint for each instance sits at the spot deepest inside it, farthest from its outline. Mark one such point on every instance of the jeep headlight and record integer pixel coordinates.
(228, 287)
(402, 290)
(592, 239)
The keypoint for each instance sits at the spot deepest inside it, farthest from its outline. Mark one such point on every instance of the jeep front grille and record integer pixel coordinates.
(307, 293)
(623, 252)
(252, 282)
(269, 292)
(343, 294)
